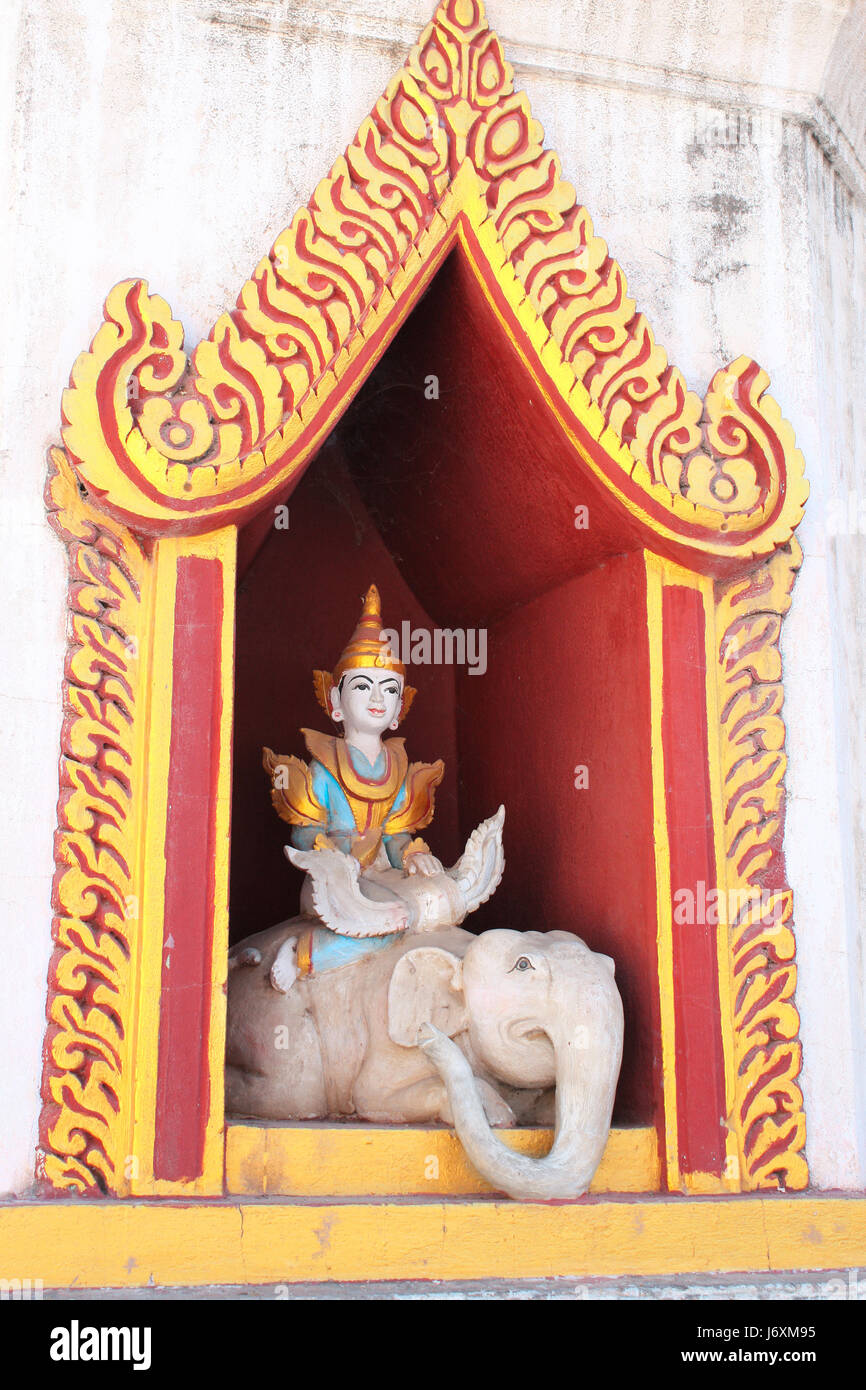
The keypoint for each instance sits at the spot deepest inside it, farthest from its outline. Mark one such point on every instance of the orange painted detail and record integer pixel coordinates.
(370, 799)
(305, 952)
(333, 755)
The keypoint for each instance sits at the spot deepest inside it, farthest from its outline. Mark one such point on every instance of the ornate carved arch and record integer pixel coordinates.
(165, 454)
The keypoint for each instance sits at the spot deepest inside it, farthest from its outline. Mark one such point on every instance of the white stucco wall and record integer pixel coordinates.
(721, 152)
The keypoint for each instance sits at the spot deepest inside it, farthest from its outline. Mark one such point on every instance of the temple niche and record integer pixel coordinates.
(448, 481)
(435, 383)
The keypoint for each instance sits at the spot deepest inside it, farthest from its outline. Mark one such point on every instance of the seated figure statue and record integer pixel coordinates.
(355, 810)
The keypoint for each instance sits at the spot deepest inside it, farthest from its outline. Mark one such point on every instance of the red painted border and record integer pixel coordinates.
(700, 1070)
(182, 1085)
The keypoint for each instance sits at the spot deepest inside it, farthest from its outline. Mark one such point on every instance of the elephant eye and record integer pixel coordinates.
(523, 963)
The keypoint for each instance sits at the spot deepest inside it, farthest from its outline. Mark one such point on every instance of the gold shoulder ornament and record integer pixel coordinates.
(292, 790)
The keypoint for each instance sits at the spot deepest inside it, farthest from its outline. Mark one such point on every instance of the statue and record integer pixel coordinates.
(440, 1027)
(355, 810)
(391, 1013)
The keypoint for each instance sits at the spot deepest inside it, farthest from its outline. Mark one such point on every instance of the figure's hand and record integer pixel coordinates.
(420, 863)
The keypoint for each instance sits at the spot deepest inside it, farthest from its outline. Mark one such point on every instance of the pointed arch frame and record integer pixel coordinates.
(166, 454)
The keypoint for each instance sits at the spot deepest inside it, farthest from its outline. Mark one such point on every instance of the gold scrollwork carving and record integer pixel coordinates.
(82, 1124)
(168, 440)
(768, 1104)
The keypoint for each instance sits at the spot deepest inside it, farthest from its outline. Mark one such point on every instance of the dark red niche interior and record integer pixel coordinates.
(297, 607)
(475, 490)
(568, 686)
(462, 511)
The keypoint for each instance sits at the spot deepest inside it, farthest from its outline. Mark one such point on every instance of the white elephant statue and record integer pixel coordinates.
(442, 1026)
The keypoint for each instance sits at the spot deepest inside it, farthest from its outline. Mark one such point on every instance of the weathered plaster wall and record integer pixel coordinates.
(721, 151)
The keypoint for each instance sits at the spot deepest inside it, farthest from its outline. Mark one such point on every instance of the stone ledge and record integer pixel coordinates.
(358, 1160)
(815, 1285)
(115, 1244)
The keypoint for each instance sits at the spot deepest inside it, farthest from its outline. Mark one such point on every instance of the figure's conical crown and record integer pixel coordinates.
(365, 649)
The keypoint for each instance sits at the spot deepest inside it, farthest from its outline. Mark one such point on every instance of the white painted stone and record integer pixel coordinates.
(721, 151)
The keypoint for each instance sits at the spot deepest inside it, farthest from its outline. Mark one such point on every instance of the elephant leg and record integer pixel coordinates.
(243, 1091)
(257, 1096)
(276, 1072)
(416, 1103)
(499, 1113)
(427, 1100)
(531, 1107)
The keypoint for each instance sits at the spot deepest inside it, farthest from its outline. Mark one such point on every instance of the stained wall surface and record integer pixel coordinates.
(720, 149)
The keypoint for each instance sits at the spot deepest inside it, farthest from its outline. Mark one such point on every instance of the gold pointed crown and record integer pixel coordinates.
(365, 648)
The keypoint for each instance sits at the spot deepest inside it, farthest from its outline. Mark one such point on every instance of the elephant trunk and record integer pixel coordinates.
(586, 1079)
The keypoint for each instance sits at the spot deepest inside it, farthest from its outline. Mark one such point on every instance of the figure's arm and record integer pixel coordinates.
(339, 832)
(311, 837)
(303, 836)
(411, 855)
(395, 846)
(417, 859)
(404, 852)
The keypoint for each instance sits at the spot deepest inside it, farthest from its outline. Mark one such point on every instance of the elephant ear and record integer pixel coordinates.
(426, 987)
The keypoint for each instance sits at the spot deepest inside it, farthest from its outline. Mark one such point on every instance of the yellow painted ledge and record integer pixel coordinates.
(355, 1160)
(132, 1244)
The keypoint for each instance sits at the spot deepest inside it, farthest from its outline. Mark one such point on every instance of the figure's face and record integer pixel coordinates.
(367, 701)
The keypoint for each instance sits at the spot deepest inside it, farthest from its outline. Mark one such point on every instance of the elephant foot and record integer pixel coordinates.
(498, 1111)
(418, 1103)
(426, 1101)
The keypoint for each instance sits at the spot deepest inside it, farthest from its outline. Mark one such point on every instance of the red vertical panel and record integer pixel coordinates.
(699, 1055)
(182, 1086)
